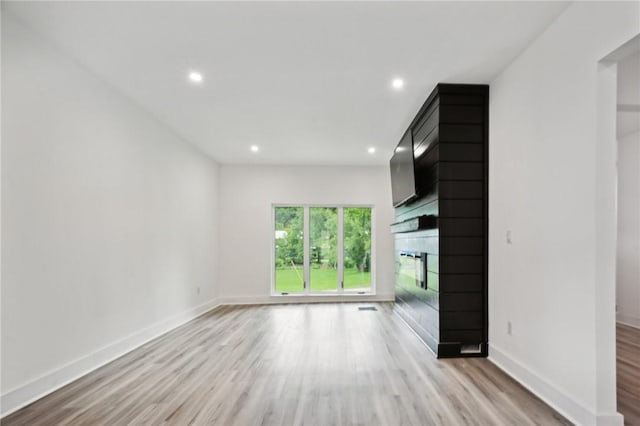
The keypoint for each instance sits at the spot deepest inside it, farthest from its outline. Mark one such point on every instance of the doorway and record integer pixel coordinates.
(610, 99)
(628, 238)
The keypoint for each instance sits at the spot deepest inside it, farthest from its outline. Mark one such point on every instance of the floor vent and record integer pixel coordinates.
(367, 308)
(471, 349)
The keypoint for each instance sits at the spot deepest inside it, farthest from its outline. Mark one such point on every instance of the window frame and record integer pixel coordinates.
(340, 291)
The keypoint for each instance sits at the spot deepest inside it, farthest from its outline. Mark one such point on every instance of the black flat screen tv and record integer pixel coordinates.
(403, 180)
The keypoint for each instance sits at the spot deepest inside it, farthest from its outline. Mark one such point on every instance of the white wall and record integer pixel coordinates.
(628, 260)
(543, 143)
(246, 197)
(109, 221)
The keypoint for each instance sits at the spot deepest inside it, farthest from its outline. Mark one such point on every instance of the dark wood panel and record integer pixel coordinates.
(459, 208)
(443, 171)
(460, 264)
(448, 209)
(463, 336)
(459, 171)
(460, 245)
(425, 315)
(461, 133)
(456, 190)
(461, 152)
(455, 321)
(429, 184)
(461, 227)
(416, 208)
(428, 338)
(416, 297)
(443, 89)
(453, 350)
(424, 160)
(461, 114)
(461, 302)
(452, 283)
(422, 145)
(426, 124)
(429, 318)
(450, 154)
(461, 99)
(415, 224)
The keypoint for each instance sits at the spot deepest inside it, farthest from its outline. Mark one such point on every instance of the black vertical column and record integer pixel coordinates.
(450, 139)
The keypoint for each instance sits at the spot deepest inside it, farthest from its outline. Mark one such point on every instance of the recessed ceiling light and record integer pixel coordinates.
(254, 148)
(195, 77)
(371, 150)
(397, 83)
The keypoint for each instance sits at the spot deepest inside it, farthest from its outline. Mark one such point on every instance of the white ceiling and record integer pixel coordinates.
(309, 82)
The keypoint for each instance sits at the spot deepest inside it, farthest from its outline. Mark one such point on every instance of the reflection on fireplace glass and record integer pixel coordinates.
(411, 269)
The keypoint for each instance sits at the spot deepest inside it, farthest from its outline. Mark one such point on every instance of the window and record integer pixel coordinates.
(322, 250)
(289, 249)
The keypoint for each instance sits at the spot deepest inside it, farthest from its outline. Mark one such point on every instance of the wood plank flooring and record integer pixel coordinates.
(312, 364)
(628, 374)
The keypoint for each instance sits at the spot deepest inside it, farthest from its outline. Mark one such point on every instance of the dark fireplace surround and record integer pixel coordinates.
(441, 248)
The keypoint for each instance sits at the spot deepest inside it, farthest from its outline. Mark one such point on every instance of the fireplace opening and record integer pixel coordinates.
(412, 268)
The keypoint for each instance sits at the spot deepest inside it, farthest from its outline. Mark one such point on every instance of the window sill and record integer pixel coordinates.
(327, 294)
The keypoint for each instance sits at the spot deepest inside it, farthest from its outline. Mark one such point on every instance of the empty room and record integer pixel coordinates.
(320, 213)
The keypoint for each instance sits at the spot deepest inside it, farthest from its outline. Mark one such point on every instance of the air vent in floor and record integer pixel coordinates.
(367, 308)
(471, 349)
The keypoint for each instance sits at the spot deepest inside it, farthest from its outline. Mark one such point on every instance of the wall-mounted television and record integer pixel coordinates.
(403, 180)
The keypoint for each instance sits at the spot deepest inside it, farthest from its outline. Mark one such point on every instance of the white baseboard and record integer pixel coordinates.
(550, 393)
(629, 320)
(610, 419)
(272, 300)
(25, 394)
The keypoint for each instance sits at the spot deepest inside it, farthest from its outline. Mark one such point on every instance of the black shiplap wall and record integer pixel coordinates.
(450, 136)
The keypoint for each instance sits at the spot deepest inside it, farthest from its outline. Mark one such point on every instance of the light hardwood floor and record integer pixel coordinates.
(628, 357)
(315, 364)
